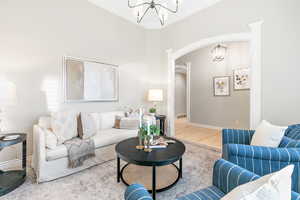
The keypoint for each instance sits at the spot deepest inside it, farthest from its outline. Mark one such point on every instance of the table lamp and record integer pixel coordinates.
(8, 97)
(155, 95)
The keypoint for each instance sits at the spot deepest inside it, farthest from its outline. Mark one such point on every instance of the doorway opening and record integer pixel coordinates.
(254, 39)
(210, 111)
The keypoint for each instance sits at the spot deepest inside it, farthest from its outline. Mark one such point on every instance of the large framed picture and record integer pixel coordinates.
(241, 79)
(221, 85)
(87, 80)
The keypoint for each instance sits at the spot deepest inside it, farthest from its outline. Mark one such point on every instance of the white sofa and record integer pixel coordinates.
(50, 164)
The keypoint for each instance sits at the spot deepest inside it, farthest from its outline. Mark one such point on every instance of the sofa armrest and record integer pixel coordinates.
(227, 176)
(137, 192)
(235, 136)
(39, 148)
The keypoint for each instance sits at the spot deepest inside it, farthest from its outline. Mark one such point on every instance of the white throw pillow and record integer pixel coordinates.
(64, 125)
(268, 135)
(274, 186)
(51, 139)
(107, 119)
(90, 124)
(129, 123)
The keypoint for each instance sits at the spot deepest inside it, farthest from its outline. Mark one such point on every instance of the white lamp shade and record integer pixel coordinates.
(8, 94)
(155, 95)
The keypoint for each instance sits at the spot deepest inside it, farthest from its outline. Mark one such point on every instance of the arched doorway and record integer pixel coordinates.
(254, 38)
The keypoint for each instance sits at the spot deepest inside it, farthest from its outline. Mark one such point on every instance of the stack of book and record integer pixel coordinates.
(161, 143)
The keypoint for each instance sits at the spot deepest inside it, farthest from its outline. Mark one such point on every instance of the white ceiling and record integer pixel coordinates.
(186, 8)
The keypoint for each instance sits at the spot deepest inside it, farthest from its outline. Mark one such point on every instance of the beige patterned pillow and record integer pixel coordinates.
(89, 122)
(126, 123)
(117, 122)
(64, 125)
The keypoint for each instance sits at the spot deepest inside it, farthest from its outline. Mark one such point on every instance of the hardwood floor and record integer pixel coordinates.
(204, 136)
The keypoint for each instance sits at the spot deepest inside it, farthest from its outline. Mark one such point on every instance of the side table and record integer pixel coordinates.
(10, 180)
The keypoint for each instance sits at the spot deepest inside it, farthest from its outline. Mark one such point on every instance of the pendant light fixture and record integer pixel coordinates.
(141, 8)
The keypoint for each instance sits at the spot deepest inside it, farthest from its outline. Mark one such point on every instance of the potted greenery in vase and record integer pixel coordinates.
(152, 111)
(147, 135)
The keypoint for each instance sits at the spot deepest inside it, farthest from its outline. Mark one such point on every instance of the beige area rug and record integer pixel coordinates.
(165, 175)
(100, 182)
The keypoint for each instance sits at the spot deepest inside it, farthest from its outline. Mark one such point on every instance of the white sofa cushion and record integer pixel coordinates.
(102, 138)
(112, 136)
(107, 119)
(64, 125)
(59, 152)
(268, 135)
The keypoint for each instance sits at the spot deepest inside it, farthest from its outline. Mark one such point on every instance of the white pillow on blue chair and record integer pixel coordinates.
(268, 135)
(274, 186)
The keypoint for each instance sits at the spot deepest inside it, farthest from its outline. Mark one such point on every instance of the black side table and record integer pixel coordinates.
(162, 123)
(10, 180)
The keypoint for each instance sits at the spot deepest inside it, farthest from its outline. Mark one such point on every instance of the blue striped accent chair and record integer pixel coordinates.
(226, 176)
(263, 160)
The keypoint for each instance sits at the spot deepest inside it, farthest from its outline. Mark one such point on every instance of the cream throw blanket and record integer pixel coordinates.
(79, 150)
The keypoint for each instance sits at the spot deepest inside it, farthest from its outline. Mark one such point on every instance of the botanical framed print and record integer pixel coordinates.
(221, 85)
(241, 79)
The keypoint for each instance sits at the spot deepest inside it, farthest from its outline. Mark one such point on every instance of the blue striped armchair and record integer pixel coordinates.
(226, 176)
(263, 160)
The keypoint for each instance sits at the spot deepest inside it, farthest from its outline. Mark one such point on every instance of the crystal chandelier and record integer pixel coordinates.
(143, 6)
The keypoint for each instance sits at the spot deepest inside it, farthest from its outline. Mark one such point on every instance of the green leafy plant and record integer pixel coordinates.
(152, 110)
(143, 131)
(154, 130)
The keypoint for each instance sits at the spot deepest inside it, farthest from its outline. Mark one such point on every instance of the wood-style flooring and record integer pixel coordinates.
(204, 136)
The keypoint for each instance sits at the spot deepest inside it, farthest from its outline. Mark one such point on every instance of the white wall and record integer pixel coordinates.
(35, 35)
(221, 111)
(180, 93)
(280, 42)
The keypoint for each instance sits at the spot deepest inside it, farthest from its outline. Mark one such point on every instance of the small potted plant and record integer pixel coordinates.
(152, 111)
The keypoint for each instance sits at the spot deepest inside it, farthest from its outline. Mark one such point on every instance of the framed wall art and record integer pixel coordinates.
(241, 79)
(221, 85)
(88, 80)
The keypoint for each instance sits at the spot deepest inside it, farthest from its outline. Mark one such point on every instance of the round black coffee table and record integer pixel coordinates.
(126, 150)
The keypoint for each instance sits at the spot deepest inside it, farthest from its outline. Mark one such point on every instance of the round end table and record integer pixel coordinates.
(10, 180)
(126, 150)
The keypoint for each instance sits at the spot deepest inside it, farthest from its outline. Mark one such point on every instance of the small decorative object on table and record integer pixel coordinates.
(152, 111)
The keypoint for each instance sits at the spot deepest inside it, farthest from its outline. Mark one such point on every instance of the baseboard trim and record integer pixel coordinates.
(206, 126)
(10, 164)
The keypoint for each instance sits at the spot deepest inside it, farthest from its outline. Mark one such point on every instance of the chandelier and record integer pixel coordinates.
(161, 9)
(219, 53)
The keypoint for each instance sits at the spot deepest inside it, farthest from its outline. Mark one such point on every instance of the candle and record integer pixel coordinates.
(148, 127)
(141, 117)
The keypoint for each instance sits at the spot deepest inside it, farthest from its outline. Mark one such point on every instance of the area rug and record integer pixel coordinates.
(99, 182)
